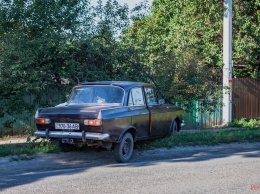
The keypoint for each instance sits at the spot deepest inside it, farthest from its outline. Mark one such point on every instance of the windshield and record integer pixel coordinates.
(97, 95)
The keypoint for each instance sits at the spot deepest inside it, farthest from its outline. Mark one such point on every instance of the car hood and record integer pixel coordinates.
(73, 111)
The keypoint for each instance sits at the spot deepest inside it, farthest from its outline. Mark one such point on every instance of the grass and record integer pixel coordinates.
(28, 148)
(24, 151)
(204, 138)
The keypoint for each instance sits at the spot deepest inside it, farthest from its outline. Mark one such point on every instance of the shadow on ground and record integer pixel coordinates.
(15, 173)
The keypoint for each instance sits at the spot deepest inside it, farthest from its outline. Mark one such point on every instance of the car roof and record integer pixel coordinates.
(123, 84)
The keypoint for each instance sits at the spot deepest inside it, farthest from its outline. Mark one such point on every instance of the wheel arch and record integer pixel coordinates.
(178, 122)
(131, 130)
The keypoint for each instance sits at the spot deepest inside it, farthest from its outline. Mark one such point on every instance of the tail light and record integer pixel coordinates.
(43, 121)
(92, 122)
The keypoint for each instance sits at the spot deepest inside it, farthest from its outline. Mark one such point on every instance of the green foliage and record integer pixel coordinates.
(180, 46)
(35, 50)
(46, 47)
(27, 148)
(246, 38)
(176, 44)
(248, 123)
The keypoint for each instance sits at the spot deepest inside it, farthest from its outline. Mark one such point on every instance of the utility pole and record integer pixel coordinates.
(227, 60)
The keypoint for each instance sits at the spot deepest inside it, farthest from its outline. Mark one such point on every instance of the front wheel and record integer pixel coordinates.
(173, 128)
(124, 150)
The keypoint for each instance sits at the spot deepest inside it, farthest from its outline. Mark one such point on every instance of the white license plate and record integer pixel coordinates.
(73, 126)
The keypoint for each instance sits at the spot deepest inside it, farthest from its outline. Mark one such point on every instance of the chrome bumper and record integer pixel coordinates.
(77, 135)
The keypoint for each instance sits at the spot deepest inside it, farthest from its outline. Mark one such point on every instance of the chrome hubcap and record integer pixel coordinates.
(126, 147)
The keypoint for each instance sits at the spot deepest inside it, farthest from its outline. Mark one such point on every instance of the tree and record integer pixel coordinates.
(48, 46)
(35, 48)
(180, 46)
(246, 39)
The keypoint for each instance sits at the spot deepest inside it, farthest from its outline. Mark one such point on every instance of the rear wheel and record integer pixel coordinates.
(124, 150)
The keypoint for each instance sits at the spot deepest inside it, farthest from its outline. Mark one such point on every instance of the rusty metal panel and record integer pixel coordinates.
(246, 98)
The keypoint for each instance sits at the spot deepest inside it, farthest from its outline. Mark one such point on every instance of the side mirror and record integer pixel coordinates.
(161, 101)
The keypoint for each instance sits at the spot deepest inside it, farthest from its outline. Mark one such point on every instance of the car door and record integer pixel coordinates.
(157, 113)
(139, 112)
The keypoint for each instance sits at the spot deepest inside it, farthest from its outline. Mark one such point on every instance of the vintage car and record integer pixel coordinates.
(111, 114)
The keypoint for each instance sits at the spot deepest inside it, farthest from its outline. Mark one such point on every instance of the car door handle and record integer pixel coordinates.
(152, 107)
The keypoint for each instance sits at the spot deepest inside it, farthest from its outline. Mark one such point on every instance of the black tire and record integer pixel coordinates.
(123, 151)
(174, 128)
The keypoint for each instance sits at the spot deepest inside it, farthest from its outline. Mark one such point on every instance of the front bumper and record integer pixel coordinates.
(73, 135)
(182, 123)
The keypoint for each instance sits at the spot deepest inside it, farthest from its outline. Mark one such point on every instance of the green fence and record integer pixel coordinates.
(11, 125)
(23, 123)
(196, 119)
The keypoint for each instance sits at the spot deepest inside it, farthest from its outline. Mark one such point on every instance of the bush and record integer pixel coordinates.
(248, 123)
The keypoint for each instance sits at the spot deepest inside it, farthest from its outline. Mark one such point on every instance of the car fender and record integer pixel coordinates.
(130, 129)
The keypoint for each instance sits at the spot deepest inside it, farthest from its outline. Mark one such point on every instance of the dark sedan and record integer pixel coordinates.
(110, 114)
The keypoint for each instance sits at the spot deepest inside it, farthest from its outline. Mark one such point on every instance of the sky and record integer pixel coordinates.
(130, 3)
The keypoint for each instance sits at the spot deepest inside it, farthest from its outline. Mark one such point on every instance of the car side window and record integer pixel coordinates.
(136, 97)
(150, 96)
